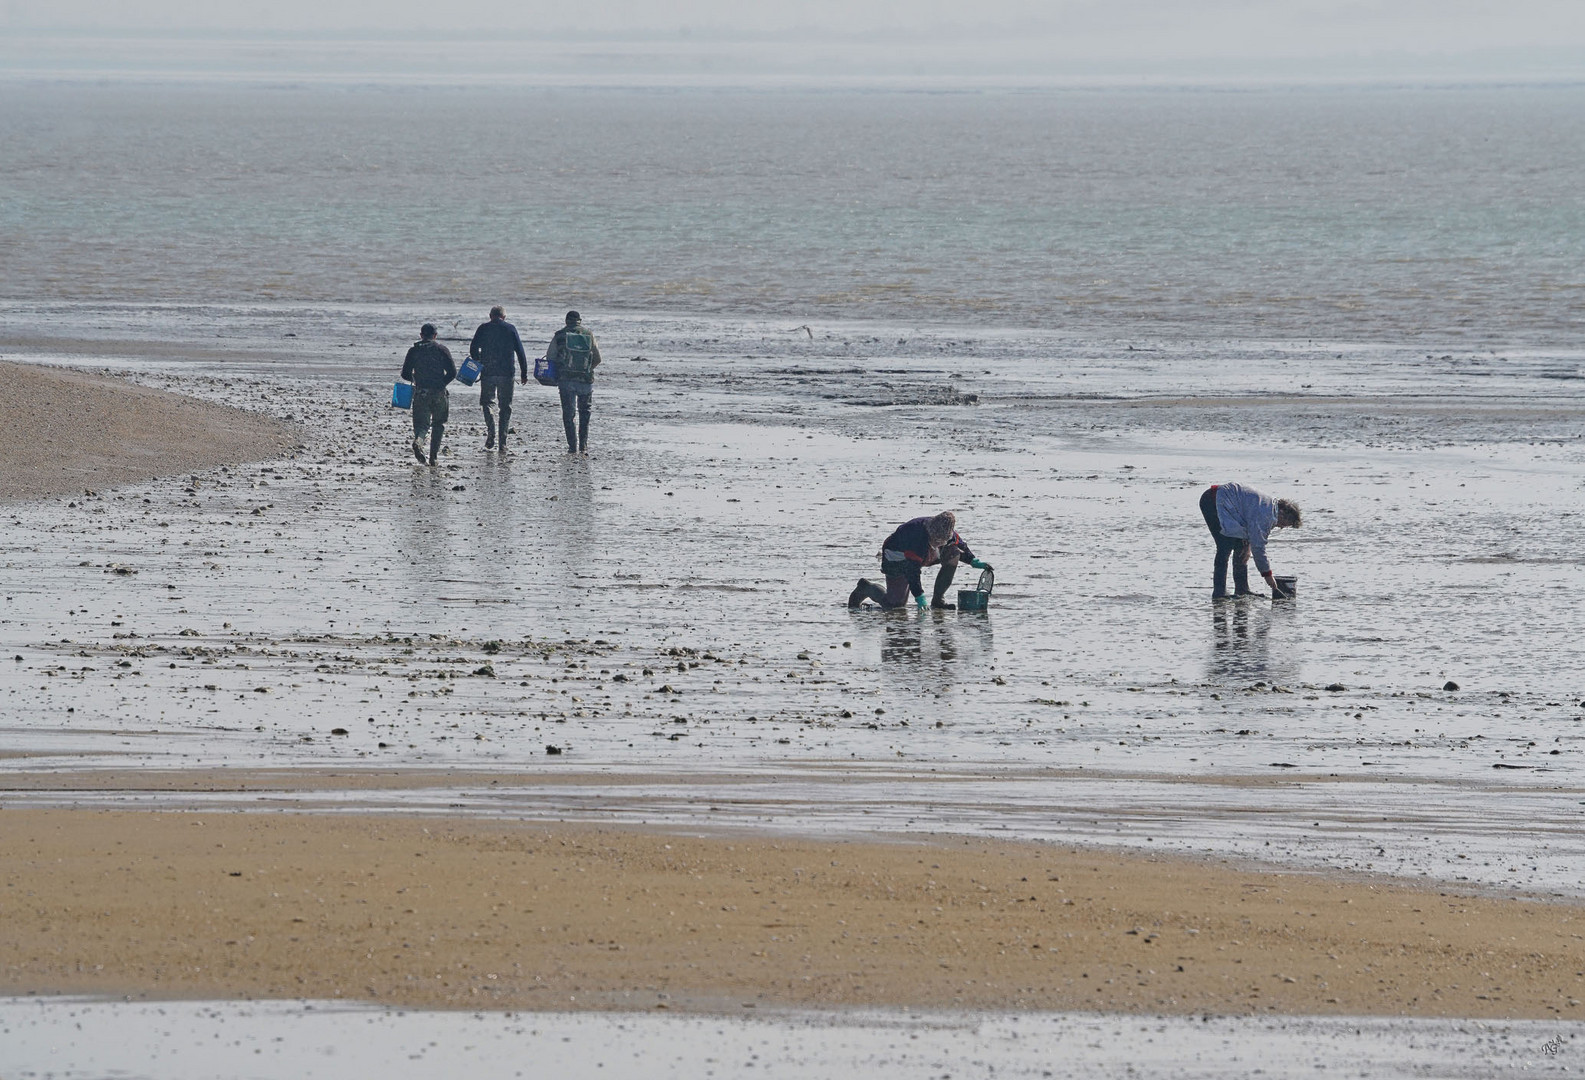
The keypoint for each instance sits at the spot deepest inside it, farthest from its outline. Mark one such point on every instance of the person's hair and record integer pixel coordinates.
(942, 526)
(426, 331)
(573, 318)
(1288, 511)
(498, 312)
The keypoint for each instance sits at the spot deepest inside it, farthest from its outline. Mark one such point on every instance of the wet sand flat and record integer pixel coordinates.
(201, 1040)
(67, 431)
(643, 612)
(450, 912)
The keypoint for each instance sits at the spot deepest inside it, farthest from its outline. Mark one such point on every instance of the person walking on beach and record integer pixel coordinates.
(429, 368)
(1240, 519)
(495, 344)
(916, 544)
(575, 355)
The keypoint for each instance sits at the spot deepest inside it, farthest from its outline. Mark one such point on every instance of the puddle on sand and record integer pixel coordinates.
(742, 480)
(196, 1040)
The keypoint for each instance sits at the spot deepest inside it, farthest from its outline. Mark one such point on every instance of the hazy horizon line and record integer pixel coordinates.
(719, 60)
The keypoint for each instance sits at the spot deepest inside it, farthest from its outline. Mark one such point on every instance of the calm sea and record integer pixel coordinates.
(1449, 215)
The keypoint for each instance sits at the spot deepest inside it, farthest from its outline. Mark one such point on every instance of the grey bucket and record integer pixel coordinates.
(1290, 586)
(979, 597)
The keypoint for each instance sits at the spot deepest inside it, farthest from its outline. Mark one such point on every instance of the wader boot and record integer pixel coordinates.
(866, 590)
(1241, 576)
(943, 583)
(489, 429)
(435, 434)
(418, 448)
(583, 431)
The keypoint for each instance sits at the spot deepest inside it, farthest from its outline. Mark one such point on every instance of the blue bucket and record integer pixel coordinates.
(545, 371)
(469, 372)
(402, 396)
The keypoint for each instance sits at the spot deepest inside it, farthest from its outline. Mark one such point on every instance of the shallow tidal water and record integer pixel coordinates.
(299, 1040)
(667, 614)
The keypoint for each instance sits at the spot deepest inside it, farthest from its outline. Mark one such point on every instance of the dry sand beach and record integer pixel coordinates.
(448, 913)
(70, 430)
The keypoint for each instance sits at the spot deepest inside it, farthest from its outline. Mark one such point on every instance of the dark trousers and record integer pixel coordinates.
(1227, 547)
(496, 389)
(898, 586)
(431, 409)
(576, 396)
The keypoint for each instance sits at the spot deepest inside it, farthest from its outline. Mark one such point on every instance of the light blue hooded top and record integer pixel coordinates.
(1246, 514)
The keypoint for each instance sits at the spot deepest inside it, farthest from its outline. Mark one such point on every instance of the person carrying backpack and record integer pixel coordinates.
(575, 355)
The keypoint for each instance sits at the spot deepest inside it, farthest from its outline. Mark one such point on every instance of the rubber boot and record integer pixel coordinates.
(435, 435)
(489, 429)
(418, 447)
(583, 433)
(1241, 577)
(866, 590)
(504, 427)
(943, 583)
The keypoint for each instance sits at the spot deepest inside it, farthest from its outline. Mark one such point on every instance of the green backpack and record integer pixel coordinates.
(577, 356)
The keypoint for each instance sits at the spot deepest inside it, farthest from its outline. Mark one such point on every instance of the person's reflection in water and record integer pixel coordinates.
(426, 543)
(934, 651)
(903, 644)
(494, 555)
(571, 530)
(1241, 643)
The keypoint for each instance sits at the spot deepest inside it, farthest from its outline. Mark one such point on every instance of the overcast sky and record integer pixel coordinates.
(1128, 32)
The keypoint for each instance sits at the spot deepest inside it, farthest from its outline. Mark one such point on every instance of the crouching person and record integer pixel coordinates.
(916, 544)
(1241, 519)
(429, 368)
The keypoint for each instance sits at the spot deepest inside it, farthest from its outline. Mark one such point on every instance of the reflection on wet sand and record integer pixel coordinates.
(570, 520)
(426, 526)
(938, 649)
(1242, 647)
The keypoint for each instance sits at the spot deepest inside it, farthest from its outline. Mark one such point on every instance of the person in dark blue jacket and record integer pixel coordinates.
(495, 344)
(916, 544)
(429, 368)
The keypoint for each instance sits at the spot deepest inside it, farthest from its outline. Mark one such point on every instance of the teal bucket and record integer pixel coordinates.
(979, 597)
(402, 396)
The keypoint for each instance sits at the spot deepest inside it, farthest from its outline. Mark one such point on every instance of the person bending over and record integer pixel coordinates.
(1240, 519)
(495, 344)
(574, 352)
(916, 544)
(429, 368)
